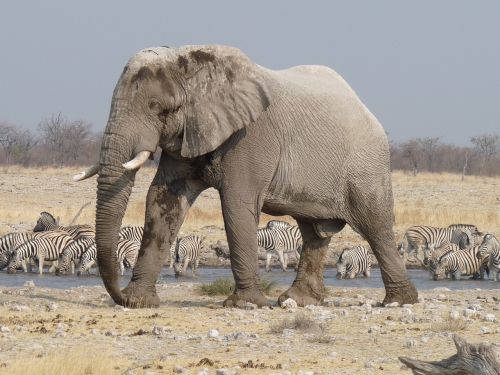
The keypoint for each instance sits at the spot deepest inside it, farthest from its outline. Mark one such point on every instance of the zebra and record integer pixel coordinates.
(44, 248)
(126, 254)
(47, 222)
(354, 261)
(280, 241)
(431, 257)
(277, 224)
(135, 233)
(460, 263)
(419, 237)
(187, 251)
(490, 247)
(11, 241)
(72, 253)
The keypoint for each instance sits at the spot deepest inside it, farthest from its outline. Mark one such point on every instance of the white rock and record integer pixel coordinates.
(374, 329)
(489, 318)
(289, 304)
(425, 339)
(61, 327)
(52, 307)
(454, 315)
(213, 333)
(441, 289)
(300, 372)
(179, 369)
(392, 304)
(160, 330)
(4, 329)
(203, 371)
(225, 371)
(369, 364)
(20, 308)
(485, 330)
(29, 283)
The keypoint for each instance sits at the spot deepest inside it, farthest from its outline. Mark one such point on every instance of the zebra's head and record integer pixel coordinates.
(14, 264)
(64, 264)
(45, 221)
(440, 269)
(84, 265)
(4, 260)
(489, 243)
(341, 265)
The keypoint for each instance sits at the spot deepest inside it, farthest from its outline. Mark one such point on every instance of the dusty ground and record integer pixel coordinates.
(354, 337)
(82, 332)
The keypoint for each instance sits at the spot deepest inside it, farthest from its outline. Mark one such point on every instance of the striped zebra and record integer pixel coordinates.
(72, 253)
(277, 224)
(126, 254)
(280, 242)
(133, 233)
(432, 256)
(11, 241)
(464, 262)
(187, 252)
(420, 237)
(354, 261)
(44, 248)
(47, 222)
(490, 247)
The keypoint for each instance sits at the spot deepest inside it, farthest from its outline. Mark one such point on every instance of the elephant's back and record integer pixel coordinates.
(316, 78)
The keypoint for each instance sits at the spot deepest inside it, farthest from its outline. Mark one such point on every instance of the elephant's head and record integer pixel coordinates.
(188, 101)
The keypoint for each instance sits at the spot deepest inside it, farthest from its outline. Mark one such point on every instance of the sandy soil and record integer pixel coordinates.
(355, 337)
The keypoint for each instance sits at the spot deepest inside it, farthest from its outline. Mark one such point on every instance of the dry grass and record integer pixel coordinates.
(224, 287)
(300, 322)
(451, 325)
(76, 362)
(431, 199)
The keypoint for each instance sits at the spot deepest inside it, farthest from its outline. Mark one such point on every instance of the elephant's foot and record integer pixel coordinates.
(305, 292)
(405, 293)
(241, 296)
(135, 296)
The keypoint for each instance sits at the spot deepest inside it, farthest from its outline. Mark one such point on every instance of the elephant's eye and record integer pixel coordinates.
(154, 106)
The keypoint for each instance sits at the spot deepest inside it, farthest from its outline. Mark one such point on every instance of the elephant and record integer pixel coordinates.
(295, 142)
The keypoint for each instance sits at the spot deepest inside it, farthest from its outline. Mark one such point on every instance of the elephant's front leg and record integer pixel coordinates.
(308, 287)
(240, 219)
(166, 208)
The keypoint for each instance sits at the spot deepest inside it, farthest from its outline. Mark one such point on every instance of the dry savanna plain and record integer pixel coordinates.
(80, 330)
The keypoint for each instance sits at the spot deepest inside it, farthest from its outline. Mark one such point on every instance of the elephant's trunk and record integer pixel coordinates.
(114, 186)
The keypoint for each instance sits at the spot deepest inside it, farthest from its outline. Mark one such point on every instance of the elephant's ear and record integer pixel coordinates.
(226, 92)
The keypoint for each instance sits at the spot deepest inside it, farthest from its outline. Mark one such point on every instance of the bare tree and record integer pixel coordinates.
(76, 136)
(429, 146)
(487, 147)
(52, 131)
(7, 139)
(412, 152)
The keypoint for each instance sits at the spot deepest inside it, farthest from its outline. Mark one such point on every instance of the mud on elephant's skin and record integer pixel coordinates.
(293, 142)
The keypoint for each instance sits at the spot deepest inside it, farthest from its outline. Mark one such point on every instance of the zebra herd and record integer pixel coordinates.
(455, 251)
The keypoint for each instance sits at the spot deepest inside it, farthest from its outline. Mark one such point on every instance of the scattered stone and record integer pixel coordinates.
(179, 369)
(441, 289)
(51, 307)
(369, 364)
(485, 330)
(289, 304)
(29, 283)
(250, 306)
(213, 333)
(392, 304)
(4, 329)
(374, 329)
(425, 339)
(20, 308)
(160, 330)
(411, 343)
(203, 371)
(454, 315)
(490, 318)
(61, 327)
(225, 371)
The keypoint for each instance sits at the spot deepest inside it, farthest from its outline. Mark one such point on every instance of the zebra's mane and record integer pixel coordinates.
(45, 213)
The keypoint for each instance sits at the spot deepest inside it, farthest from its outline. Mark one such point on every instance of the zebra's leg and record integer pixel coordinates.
(281, 259)
(167, 203)
(53, 266)
(308, 287)
(495, 274)
(352, 275)
(367, 271)
(456, 275)
(40, 264)
(285, 261)
(268, 261)
(187, 261)
(122, 268)
(195, 266)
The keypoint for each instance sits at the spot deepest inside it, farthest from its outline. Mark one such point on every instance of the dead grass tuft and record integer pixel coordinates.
(300, 322)
(451, 325)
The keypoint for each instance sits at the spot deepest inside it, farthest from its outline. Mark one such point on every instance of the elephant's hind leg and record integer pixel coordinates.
(308, 287)
(372, 216)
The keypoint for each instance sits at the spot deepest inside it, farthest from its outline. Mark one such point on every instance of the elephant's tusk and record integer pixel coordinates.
(87, 173)
(136, 162)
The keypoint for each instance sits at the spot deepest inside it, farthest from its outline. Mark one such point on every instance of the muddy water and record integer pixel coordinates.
(419, 277)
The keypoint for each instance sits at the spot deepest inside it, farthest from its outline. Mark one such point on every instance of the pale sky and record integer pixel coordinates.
(425, 68)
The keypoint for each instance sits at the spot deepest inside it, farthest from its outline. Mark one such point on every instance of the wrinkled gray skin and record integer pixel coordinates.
(294, 142)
